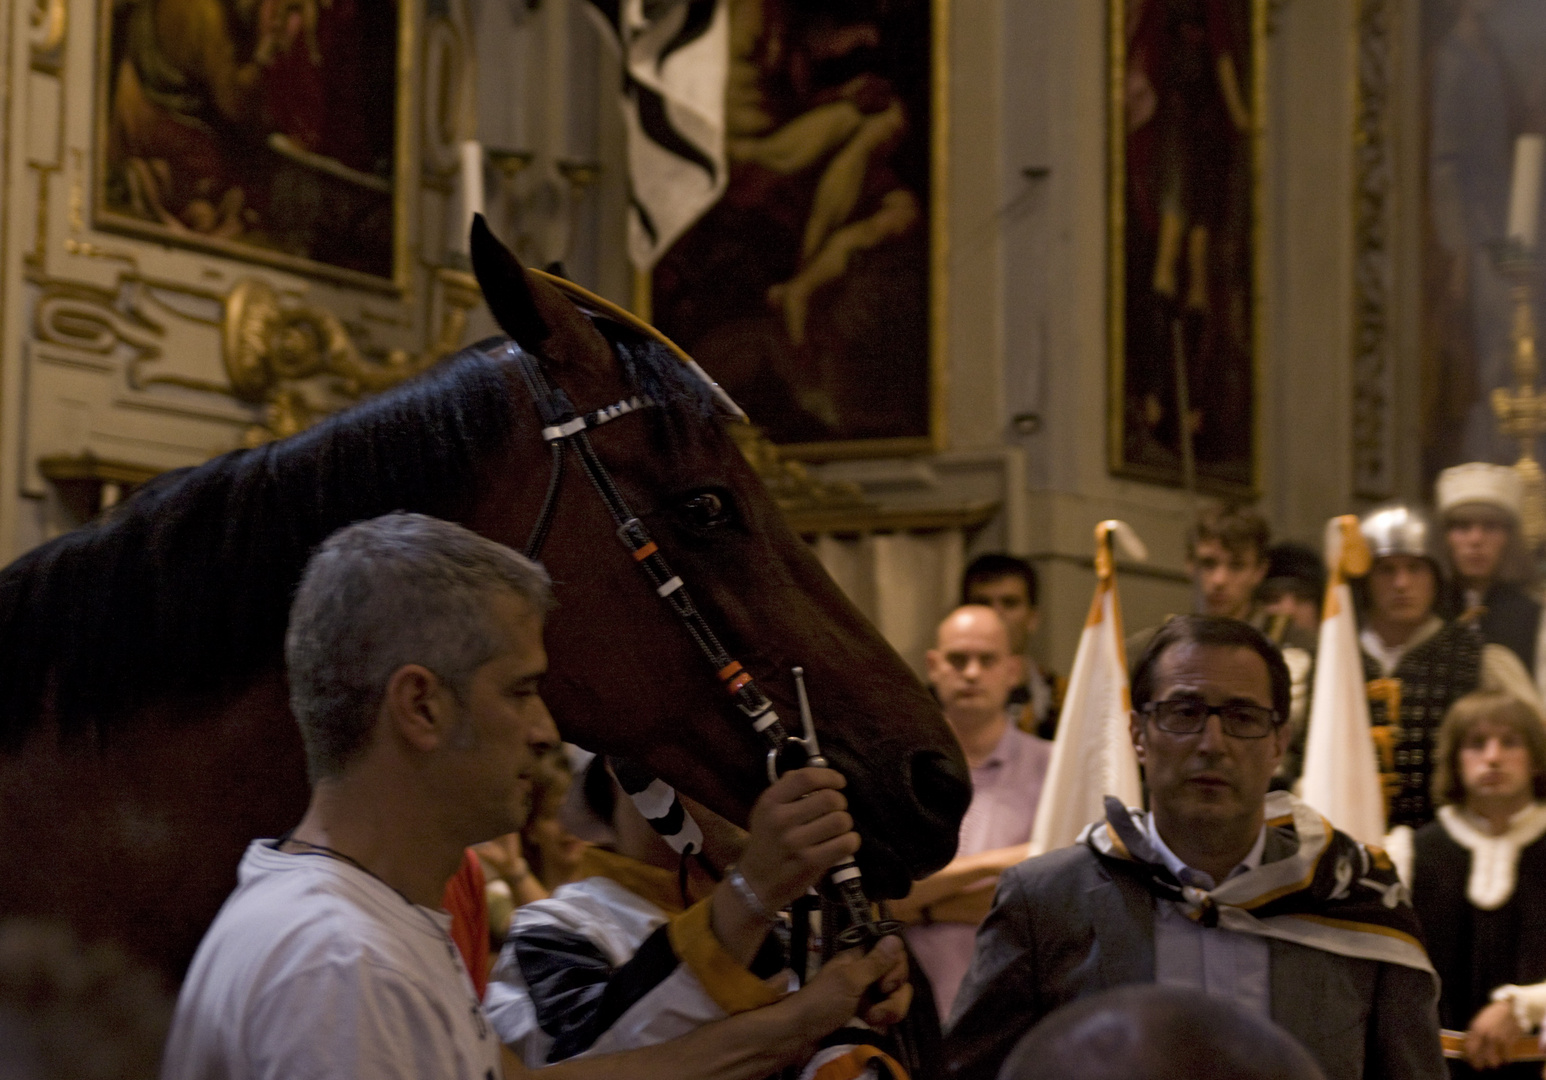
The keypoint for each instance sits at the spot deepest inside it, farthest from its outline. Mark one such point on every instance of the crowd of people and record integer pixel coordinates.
(467, 897)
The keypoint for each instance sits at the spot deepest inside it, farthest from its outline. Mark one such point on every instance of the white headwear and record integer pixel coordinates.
(1480, 482)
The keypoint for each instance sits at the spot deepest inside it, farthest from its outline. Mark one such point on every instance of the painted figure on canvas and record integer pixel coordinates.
(805, 289)
(267, 123)
(1484, 75)
(1188, 253)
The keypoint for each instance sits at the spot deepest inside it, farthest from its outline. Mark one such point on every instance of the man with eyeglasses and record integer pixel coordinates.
(1220, 886)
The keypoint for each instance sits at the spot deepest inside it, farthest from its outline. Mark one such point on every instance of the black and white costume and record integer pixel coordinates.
(1480, 899)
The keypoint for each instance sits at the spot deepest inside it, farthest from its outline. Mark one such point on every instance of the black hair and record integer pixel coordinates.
(1213, 631)
(996, 565)
(1295, 568)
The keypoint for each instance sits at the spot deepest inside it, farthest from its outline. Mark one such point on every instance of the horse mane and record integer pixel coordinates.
(184, 590)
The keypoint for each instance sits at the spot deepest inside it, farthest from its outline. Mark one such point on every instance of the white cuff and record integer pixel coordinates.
(1527, 1002)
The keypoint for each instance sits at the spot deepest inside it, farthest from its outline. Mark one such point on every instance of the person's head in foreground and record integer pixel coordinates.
(1210, 697)
(1149, 1032)
(70, 1010)
(1491, 755)
(1226, 554)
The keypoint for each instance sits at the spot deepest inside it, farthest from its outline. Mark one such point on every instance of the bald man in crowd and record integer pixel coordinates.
(1158, 1033)
(973, 669)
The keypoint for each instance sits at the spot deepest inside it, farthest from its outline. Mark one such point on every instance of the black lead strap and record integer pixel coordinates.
(562, 427)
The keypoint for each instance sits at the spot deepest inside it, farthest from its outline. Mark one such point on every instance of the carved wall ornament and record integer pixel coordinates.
(88, 319)
(1373, 256)
(301, 362)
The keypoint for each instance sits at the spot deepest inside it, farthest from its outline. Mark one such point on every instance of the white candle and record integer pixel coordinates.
(1524, 203)
(472, 188)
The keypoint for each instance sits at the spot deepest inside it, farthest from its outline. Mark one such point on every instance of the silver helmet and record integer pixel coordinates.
(1399, 529)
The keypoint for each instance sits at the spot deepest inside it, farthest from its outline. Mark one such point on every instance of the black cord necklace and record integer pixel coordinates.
(325, 852)
(334, 853)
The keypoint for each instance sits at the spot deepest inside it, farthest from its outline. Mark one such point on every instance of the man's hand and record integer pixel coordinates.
(800, 828)
(1493, 1031)
(834, 995)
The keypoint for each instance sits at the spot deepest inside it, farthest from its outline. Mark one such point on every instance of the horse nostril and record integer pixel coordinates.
(940, 786)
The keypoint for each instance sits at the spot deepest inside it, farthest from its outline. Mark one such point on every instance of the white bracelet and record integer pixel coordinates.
(748, 897)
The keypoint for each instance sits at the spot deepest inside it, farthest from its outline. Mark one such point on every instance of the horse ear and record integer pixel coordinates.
(504, 285)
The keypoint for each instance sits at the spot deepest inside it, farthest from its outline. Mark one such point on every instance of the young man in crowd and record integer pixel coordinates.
(1227, 558)
(1293, 590)
(1009, 586)
(972, 668)
(1219, 886)
(1416, 664)
(1479, 874)
(1479, 506)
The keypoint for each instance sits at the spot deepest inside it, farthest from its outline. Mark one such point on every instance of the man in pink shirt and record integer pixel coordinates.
(973, 671)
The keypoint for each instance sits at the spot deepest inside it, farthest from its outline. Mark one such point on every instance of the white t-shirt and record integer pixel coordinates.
(314, 968)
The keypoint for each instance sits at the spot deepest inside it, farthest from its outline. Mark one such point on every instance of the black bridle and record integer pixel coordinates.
(563, 428)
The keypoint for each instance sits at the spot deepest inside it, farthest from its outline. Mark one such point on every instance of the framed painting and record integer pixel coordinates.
(1482, 86)
(1186, 104)
(813, 288)
(273, 131)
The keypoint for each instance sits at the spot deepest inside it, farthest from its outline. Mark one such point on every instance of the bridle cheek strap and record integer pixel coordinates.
(562, 427)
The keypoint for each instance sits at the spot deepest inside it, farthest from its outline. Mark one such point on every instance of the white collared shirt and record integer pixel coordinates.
(1210, 959)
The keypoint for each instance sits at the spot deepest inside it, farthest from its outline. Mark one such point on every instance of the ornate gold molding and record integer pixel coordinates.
(790, 483)
(1373, 257)
(271, 348)
(84, 318)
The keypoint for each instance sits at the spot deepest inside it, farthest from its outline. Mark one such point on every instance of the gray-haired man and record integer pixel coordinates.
(414, 653)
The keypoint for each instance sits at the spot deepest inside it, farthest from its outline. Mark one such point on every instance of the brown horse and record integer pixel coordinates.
(145, 735)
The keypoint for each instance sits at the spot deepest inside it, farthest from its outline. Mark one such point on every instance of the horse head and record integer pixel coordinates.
(626, 677)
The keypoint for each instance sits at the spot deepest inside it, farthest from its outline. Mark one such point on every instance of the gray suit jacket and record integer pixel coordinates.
(1064, 926)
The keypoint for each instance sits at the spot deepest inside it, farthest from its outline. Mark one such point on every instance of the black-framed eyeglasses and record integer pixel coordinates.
(1188, 716)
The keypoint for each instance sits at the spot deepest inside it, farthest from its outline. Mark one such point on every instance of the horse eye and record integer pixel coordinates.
(705, 510)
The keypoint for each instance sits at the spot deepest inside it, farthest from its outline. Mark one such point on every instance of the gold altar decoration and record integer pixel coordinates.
(813, 506)
(272, 349)
(1521, 412)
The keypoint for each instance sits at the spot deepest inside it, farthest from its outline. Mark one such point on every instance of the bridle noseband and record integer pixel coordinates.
(563, 428)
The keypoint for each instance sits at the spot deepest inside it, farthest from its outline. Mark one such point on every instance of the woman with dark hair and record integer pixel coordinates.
(1479, 870)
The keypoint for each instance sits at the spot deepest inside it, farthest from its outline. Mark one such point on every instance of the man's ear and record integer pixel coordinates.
(932, 659)
(1282, 737)
(1017, 663)
(1135, 732)
(417, 707)
(1032, 622)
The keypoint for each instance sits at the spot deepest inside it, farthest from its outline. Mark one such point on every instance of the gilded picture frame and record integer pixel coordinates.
(885, 393)
(260, 144)
(1186, 106)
